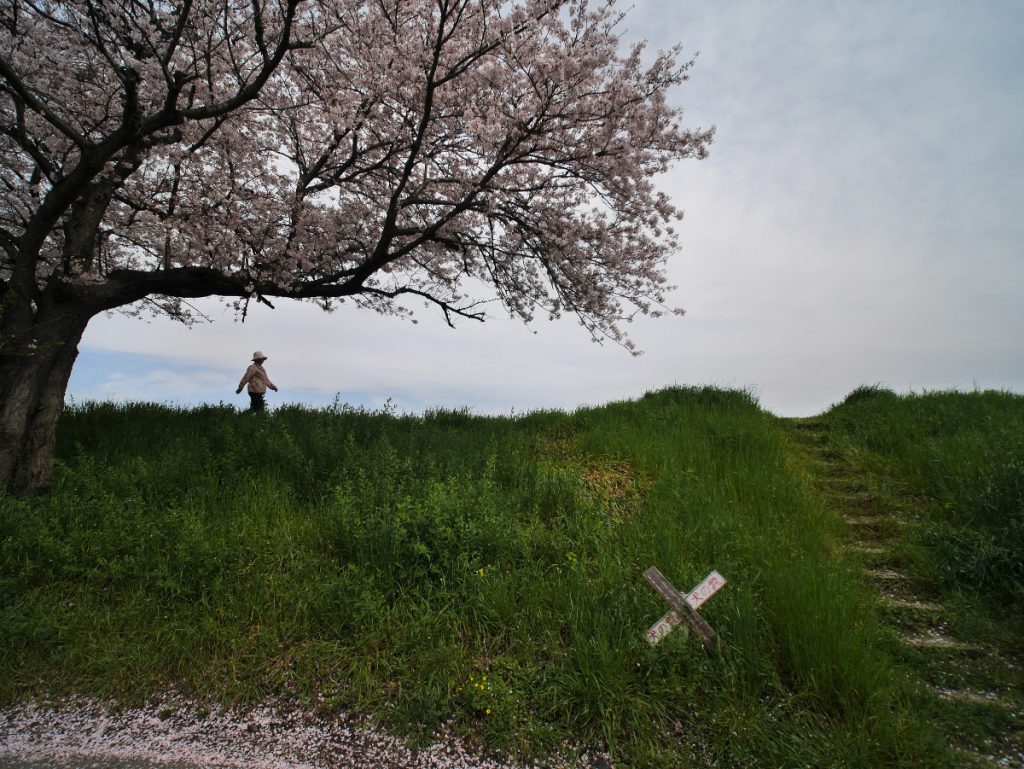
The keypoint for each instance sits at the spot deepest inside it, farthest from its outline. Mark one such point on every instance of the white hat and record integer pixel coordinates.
(258, 356)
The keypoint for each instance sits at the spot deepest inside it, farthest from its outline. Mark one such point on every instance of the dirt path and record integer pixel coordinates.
(964, 675)
(179, 734)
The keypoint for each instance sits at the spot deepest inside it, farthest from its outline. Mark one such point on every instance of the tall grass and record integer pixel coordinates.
(962, 454)
(479, 571)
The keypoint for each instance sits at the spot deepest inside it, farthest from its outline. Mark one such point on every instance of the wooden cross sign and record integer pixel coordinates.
(683, 607)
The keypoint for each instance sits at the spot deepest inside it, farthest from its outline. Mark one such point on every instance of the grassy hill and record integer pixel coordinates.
(486, 572)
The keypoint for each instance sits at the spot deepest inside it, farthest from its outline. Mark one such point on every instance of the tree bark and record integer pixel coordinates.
(33, 379)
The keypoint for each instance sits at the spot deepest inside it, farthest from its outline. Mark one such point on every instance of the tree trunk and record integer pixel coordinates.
(33, 379)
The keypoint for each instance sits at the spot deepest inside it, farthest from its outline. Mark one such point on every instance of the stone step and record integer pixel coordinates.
(863, 549)
(893, 602)
(886, 575)
(937, 641)
(973, 697)
(861, 500)
(848, 488)
(874, 521)
(972, 759)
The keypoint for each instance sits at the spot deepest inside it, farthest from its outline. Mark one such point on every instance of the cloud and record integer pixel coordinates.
(130, 378)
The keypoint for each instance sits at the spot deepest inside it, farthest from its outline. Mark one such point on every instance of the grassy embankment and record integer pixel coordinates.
(952, 465)
(957, 459)
(482, 571)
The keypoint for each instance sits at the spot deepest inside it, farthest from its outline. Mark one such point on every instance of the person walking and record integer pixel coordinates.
(256, 378)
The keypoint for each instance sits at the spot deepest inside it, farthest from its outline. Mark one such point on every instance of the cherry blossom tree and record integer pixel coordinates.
(384, 152)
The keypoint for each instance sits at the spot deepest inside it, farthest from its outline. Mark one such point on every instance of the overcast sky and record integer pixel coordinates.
(860, 221)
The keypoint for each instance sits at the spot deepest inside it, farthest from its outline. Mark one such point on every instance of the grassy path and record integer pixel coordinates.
(970, 679)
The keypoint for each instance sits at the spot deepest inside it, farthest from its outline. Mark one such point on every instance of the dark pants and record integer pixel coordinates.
(257, 402)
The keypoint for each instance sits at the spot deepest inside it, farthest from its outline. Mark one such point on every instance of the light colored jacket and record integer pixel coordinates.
(256, 377)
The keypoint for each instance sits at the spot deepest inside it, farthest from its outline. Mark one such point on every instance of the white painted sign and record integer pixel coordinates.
(663, 627)
(712, 583)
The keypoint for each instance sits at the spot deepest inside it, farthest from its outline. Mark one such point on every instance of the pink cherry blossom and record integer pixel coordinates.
(322, 150)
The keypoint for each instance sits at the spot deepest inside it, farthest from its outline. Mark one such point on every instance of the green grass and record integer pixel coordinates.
(954, 462)
(960, 457)
(480, 571)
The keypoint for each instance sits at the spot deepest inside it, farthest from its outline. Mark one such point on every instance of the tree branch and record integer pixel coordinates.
(446, 307)
(38, 106)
